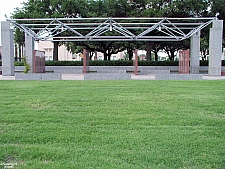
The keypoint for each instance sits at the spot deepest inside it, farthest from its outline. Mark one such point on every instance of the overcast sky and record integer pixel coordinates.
(7, 7)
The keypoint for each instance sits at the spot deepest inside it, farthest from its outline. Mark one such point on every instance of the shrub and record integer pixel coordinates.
(17, 63)
(223, 62)
(115, 63)
(27, 66)
(157, 63)
(204, 62)
(112, 63)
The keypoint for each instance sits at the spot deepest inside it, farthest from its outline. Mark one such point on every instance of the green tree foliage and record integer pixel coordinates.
(175, 8)
(185, 8)
(19, 40)
(120, 8)
(218, 7)
(204, 48)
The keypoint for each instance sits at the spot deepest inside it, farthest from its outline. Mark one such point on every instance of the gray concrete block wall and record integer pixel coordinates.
(78, 69)
(155, 72)
(131, 68)
(65, 69)
(111, 71)
(107, 76)
(158, 69)
(111, 68)
(178, 77)
(106, 69)
(38, 76)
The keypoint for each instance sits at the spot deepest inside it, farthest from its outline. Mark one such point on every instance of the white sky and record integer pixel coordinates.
(7, 7)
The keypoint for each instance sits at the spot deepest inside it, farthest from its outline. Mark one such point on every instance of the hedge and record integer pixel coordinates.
(115, 63)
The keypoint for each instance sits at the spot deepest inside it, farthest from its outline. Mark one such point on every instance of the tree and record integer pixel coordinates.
(186, 8)
(115, 8)
(107, 48)
(172, 8)
(108, 8)
(19, 39)
(218, 7)
(171, 47)
(204, 48)
(49, 9)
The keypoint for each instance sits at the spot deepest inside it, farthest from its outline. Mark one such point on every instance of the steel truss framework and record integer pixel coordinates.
(112, 29)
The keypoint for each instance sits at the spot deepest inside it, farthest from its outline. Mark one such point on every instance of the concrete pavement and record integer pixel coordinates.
(133, 77)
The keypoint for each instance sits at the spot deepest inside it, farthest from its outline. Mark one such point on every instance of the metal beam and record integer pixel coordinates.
(97, 29)
(131, 18)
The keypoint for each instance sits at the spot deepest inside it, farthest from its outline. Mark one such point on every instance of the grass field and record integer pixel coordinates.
(113, 124)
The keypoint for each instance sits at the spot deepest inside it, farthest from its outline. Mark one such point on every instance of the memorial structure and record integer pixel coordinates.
(171, 29)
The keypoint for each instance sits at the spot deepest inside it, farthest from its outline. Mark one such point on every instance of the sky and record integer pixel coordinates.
(7, 7)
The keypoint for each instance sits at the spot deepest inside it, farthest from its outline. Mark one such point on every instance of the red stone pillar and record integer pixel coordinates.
(38, 61)
(86, 58)
(184, 62)
(135, 61)
(84, 61)
(34, 62)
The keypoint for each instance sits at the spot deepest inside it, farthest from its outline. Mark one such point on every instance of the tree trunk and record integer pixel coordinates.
(156, 55)
(202, 55)
(20, 52)
(130, 53)
(96, 54)
(109, 56)
(149, 49)
(91, 54)
(16, 52)
(105, 55)
(172, 54)
(55, 51)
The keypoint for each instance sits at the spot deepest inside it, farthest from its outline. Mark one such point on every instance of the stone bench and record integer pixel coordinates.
(38, 76)
(107, 76)
(178, 77)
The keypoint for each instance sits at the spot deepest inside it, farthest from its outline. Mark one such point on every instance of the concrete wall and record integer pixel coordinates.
(95, 69)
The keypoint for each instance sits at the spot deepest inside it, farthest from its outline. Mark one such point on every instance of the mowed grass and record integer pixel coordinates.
(113, 124)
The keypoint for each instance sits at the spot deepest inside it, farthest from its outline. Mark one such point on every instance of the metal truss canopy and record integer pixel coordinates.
(111, 29)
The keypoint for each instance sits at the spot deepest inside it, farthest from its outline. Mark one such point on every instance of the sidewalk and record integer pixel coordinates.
(133, 77)
(7, 77)
(207, 77)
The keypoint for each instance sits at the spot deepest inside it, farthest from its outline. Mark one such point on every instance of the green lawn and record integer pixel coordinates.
(113, 124)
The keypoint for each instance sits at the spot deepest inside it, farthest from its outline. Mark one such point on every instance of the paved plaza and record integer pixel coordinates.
(133, 77)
